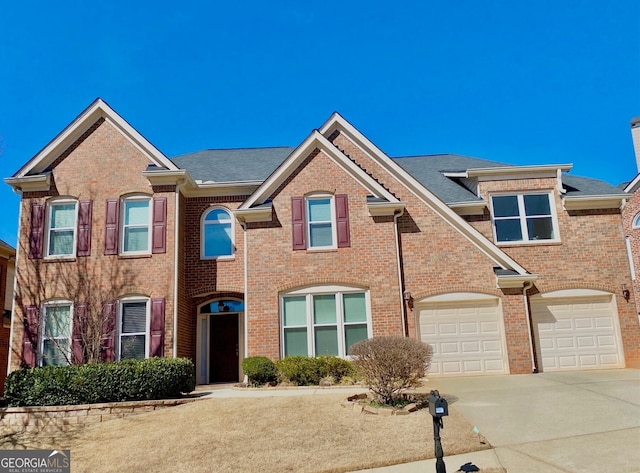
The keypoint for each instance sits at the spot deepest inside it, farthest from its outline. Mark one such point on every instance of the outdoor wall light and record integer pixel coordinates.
(626, 293)
(406, 295)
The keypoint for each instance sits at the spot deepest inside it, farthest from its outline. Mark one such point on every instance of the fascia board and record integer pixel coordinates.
(381, 209)
(515, 172)
(425, 195)
(595, 202)
(633, 185)
(517, 281)
(313, 141)
(260, 214)
(469, 208)
(164, 177)
(98, 109)
(37, 183)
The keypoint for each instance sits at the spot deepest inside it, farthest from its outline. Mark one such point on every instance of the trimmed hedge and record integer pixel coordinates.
(259, 370)
(305, 371)
(126, 380)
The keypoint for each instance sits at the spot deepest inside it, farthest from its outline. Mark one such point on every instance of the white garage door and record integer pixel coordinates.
(576, 333)
(466, 337)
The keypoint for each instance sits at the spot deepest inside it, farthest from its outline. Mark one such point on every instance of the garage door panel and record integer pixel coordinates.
(466, 337)
(581, 337)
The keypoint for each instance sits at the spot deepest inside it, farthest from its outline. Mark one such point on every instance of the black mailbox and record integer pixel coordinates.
(438, 406)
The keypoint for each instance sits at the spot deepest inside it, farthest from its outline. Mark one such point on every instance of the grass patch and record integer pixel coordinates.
(305, 434)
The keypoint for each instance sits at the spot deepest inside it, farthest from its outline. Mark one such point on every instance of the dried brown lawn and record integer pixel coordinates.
(306, 434)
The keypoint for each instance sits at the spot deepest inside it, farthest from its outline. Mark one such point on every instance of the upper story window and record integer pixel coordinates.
(636, 221)
(217, 234)
(324, 321)
(320, 221)
(136, 223)
(61, 228)
(132, 328)
(524, 218)
(55, 348)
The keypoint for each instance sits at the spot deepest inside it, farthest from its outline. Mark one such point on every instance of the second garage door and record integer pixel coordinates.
(466, 336)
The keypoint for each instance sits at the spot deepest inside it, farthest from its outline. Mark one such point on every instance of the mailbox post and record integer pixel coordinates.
(438, 408)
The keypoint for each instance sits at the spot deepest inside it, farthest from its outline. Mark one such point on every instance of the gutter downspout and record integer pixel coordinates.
(526, 287)
(175, 271)
(246, 287)
(396, 216)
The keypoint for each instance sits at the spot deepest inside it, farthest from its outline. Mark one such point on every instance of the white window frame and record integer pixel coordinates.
(522, 217)
(636, 221)
(123, 205)
(119, 335)
(50, 205)
(308, 223)
(43, 329)
(204, 223)
(338, 292)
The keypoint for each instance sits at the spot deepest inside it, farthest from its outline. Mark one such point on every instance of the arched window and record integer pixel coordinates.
(636, 221)
(217, 234)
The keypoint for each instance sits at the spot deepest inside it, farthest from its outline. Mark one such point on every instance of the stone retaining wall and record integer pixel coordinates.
(57, 418)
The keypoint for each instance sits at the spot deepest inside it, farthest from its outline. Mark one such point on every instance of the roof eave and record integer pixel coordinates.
(385, 209)
(546, 170)
(264, 213)
(474, 207)
(36, 183)
(594, 202)
(514, 281)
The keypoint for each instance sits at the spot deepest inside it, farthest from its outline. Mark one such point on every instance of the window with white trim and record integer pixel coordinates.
(526, 217)
(321, 226)
(216, 234)
(61, 228)
(136, 223)
(133, 316)
(636, 221)
(324, 323)
(55, 348)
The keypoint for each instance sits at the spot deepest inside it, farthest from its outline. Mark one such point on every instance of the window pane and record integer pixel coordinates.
(295, 341)
(58, 321)
(326, 341)
(136, 212)
(217, 240)
(136, 239)
(319, 210)
(134, 317)
(217, 215)
(132, 346)
(354, 334)
(61, 243)
(536, 205)
(321, 235)
(508, 230)
(505, 206)
(295, 311)
(355, 309)
(540, 228)
(324, 309)
(63, 216)
(53, 353)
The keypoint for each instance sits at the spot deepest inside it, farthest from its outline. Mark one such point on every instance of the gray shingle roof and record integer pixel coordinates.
(256, 164)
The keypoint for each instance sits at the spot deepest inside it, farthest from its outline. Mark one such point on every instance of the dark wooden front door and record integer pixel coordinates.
(223, 348)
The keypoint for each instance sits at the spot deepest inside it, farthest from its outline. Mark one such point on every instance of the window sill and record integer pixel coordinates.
(59, 259)
(322, 250)
(125, 256)
(508, 244)
(220, 258)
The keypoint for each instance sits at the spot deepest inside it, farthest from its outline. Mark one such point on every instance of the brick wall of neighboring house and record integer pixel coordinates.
(437, 259)
(274, 267)
(591, 254)
(631, 209)
(4, 331)
(101, 165)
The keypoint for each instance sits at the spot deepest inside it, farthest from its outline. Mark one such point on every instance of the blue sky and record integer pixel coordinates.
(540, 82)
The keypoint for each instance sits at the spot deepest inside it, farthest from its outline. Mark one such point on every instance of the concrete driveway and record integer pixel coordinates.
(584, 421)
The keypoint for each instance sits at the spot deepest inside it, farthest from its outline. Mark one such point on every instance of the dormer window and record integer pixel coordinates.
(522, 218)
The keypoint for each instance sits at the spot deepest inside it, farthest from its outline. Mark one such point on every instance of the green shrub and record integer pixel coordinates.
(259, 369)
(337, 368)
(127, 380)
(306, 371)
(390, 365)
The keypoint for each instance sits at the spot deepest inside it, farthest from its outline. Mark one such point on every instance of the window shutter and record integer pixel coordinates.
(342, 220)
(159, 236)
(156, 345)
(77, 336)
(108, 337)
(36, 234)
(84, 228)
(30, 336)
(297, 223)
(111, 227)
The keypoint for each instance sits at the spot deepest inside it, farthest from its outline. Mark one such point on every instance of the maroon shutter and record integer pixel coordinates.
(111, 227)
(156, 327)
(342, 220)
(36, 234)
(79, 330)
(30, 336)
(84, 228)
(297, 223)
(109, 332)
(159, 236)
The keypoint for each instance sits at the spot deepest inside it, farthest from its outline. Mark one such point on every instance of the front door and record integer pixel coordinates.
(223, 348)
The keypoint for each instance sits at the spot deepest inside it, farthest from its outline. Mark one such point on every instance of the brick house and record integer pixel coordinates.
(221, 254)
(7, 270)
